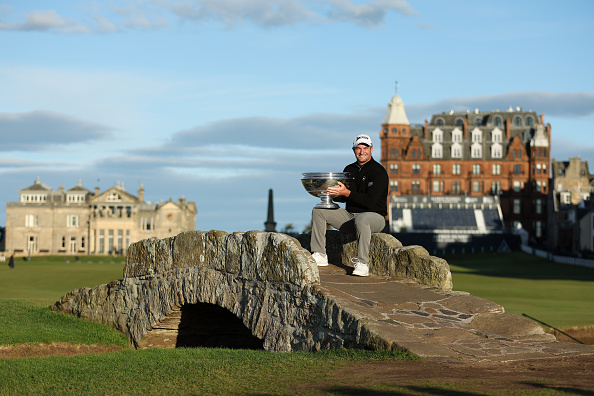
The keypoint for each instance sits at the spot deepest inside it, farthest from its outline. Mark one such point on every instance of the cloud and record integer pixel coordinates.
(562, 104)
(158, 14)
(39, 130)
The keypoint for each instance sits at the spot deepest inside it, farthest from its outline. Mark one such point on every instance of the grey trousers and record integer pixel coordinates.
(361, 224)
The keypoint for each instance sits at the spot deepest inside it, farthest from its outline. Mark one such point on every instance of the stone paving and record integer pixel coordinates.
(449, 325)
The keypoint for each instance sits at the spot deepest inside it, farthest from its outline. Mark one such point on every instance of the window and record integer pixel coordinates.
(416, 187)
(538, 229)
(30, 220)
(394, 153)
(496, 151)
(110, 241)
(437, 135)
(478, 122)
(101, 241)
(517, 169)
(517, 186)
(404, 131)
(436, 169)
(394, 168)
(457, 135)
(495, 187)
(72, 244)
(496, 135)
(516, 206)
(437, 186)
(439, 121)
(416, 168)
(82, 242)
(32, 244)
(393, 186)
(394, 130)
(477, 136)
(456, 187)
(459, 122)
(456, 150)
(497, 121)
(128, 233)
(455, 169)
(63, 242)
(477, 186)
(147, 223)
(538, 168)
(496, 169)
(476, 150)
(518, 121)
(565, 198)
(120, 240)
(541, 186)
(72, 221)
(476, 169)
(529, 121)
(436, 150)
(539, 206)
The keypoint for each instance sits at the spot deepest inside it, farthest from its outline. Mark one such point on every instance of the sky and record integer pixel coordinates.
(221, 100)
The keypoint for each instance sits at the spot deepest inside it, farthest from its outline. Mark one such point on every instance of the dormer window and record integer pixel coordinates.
(477, 136)
(529, 121)
(457, 135)
(497, 121)
(438, 135)
(518, 121)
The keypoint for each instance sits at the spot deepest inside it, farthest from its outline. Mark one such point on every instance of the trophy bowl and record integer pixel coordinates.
(317, 183)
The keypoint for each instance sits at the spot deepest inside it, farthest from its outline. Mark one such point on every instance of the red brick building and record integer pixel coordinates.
(502, 155)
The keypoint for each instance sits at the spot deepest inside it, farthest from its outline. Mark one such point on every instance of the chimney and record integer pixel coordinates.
(96, 191)
(141, 193)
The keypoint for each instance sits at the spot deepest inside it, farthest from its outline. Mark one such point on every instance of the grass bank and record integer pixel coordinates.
(558, 294)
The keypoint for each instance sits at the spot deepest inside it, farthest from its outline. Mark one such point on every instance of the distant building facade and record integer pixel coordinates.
(571, 216)
(501, 154)
(77, 221)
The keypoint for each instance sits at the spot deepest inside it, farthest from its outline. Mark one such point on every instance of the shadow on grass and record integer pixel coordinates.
(518, 265)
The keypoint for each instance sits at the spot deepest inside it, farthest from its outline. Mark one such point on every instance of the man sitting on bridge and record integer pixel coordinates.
(366, 207)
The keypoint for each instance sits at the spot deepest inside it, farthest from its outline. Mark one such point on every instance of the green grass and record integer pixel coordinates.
(46, 279)
(25, 323)
(522, 283)
(557, 294)
(176, 371)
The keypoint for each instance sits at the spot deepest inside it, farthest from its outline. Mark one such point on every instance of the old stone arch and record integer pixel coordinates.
(200, 325)
(268, 281)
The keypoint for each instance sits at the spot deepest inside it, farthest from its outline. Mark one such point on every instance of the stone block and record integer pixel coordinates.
(149, 257)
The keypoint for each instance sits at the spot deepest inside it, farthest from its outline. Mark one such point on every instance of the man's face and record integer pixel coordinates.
(363, 153)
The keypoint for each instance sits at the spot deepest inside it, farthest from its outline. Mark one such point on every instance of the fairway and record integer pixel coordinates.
(45, 279)
(557, 294)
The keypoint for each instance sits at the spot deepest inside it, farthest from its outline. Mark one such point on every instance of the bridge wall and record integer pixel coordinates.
(268, 280)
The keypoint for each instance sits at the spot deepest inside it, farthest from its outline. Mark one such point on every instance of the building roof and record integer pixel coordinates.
(36, 187)
(396, 113)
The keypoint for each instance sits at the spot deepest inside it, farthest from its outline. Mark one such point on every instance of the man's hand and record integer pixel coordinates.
(340, 189)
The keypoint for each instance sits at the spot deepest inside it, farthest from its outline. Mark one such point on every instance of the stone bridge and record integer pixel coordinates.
(266, 280)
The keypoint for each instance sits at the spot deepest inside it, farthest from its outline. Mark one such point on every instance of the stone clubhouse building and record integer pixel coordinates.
(77, 221)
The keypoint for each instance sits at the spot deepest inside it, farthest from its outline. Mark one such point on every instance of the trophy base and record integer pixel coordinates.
(326, 205)
(326, 202)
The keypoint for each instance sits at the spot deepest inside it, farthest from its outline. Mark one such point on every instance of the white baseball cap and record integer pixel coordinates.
(362, 139)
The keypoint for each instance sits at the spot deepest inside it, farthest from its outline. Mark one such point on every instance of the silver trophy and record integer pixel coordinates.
(317, 183)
